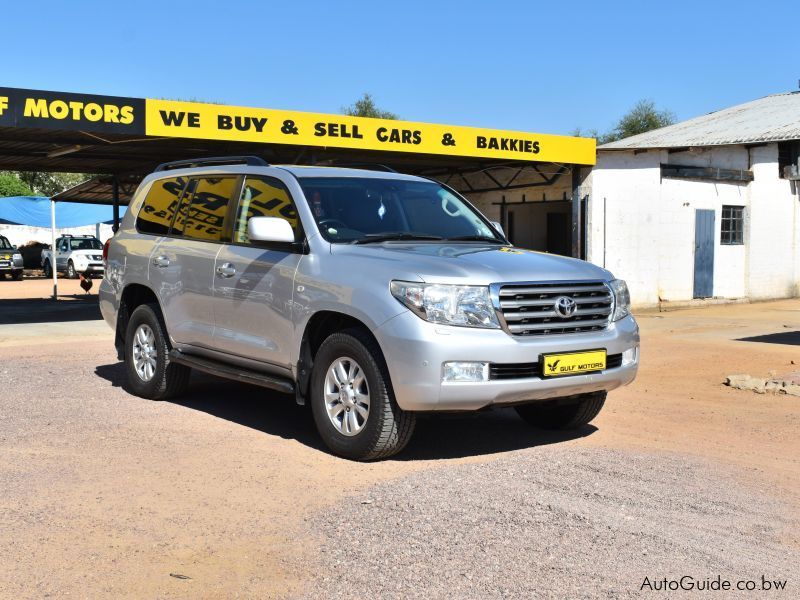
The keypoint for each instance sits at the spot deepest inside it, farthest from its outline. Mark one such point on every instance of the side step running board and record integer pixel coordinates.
(219, 369)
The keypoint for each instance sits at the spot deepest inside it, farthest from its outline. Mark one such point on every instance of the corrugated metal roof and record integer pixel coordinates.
(773, 118)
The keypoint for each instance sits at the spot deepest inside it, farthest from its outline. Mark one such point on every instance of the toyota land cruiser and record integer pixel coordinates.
(370, 295)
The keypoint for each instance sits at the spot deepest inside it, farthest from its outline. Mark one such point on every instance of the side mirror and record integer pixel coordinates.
(270, 229)
(498, 228)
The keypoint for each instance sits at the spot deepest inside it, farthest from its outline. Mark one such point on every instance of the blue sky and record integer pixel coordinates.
(534, 66)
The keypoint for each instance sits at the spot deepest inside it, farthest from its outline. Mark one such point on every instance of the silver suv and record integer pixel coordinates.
(370, 295)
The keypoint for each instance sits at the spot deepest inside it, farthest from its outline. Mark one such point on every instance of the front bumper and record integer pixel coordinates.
(9, 265)
(415, 350)
(92, 268)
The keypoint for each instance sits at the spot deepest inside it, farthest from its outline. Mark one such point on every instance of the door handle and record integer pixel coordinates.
(161, 261)
(226, 270)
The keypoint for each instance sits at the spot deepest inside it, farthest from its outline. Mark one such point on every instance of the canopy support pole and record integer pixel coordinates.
(53, 266)
(115, 226)
(576, 211)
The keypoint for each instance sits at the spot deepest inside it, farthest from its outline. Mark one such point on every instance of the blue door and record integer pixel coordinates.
(704, 253)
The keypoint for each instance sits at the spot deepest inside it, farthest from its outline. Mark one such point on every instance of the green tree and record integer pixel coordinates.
(49, 184)
(11, 185)
(588, 133)
(366, 107)
(644, 116)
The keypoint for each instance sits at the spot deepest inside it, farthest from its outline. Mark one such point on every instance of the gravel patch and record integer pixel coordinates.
(552, 522)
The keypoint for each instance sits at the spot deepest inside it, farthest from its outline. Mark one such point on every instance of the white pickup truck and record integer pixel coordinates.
(75, 254)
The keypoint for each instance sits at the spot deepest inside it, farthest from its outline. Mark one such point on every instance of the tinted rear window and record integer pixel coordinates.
(159, 207)
(205, 217)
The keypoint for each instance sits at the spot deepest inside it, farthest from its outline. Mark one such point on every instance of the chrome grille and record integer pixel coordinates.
(529, 308)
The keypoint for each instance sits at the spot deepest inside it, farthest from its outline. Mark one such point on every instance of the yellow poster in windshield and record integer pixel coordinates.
(169, 118)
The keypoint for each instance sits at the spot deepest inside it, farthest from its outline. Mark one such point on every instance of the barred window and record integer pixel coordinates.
(732, 232)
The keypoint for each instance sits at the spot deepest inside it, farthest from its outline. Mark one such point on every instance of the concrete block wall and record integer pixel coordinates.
(623, 226)
(772, 245)
(22, 234)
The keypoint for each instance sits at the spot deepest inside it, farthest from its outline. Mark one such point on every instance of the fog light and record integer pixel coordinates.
(630, 356)
(465, 371)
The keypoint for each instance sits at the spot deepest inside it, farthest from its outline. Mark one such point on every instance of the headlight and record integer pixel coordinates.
(463, 305)
(622, 299)
(17, 256)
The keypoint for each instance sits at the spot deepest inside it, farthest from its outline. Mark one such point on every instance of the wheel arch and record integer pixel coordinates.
(133, 295)
(321, 325)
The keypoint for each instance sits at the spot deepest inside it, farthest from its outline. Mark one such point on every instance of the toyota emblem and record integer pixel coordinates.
(565, 307)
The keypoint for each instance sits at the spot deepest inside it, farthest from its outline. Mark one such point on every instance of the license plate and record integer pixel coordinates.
(573, 363)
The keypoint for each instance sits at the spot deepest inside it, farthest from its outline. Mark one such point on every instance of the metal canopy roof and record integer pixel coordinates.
(100, 190)
(60, 131)
(41, 150)
(773, 118)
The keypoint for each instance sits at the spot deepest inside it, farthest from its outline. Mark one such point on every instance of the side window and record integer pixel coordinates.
(264, 197)
(732, 226)
(159, 207)
(205, 217)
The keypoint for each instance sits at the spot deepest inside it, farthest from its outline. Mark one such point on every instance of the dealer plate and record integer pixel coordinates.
(573, 363)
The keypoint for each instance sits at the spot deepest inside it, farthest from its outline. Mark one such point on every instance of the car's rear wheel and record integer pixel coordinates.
(150, 372)
(352, 399)
(563, 416)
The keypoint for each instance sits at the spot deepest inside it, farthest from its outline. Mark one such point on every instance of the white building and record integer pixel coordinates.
(706, 208)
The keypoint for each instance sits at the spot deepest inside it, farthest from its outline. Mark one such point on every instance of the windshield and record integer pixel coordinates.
(4, 244)
(85, 244)
(359, 210)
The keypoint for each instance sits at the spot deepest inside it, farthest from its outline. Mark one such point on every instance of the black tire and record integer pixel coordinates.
(17, 275)
(71, 272)
(387, 428)
(48, 271)
(169, 379)
(563, 416)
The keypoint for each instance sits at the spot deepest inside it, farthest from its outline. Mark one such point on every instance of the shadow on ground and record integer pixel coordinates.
(41, 310)
(436, 436)
(789, 338)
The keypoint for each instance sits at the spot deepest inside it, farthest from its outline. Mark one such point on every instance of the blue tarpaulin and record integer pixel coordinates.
(35, 211)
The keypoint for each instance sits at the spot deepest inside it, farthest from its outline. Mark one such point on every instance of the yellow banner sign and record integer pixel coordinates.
(169, 118)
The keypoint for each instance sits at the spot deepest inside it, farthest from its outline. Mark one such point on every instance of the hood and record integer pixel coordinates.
(86, 252)
(468, 263)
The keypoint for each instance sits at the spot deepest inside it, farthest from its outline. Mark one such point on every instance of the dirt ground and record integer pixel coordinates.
(35, 285)
(217, 494)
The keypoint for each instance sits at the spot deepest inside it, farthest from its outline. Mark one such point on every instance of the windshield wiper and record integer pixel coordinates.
(374, 238)
(475, 238)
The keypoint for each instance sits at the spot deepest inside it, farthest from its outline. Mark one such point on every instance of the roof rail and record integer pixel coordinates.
(367, 166)
(212, 161)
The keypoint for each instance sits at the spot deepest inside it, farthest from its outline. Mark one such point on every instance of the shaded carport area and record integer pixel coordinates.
(121, 140)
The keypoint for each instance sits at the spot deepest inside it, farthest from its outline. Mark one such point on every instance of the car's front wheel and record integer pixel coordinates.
(48, 270)
(16, 275)
(150, 372)
(352, 399)
(71, 272)
(563, 416)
